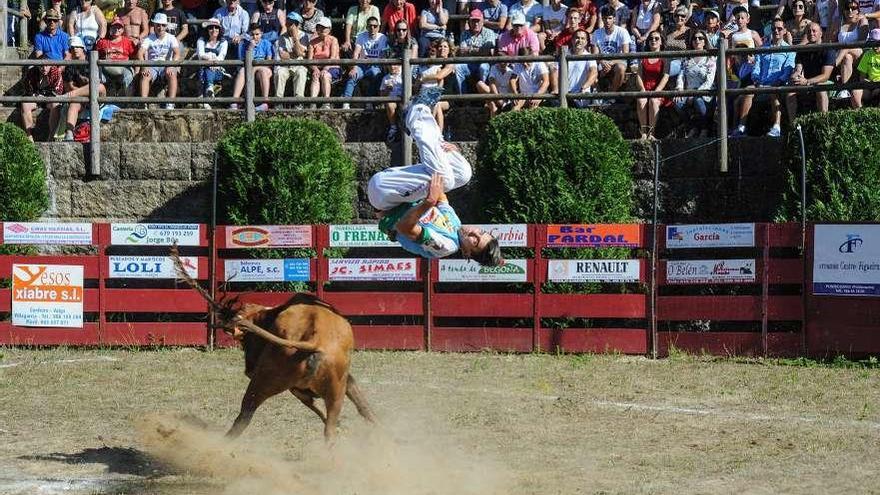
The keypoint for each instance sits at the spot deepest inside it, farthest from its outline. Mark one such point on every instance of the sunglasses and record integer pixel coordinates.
(699, 38)
(654, 38)
(372, 26)
(401, 30)
(798, 7)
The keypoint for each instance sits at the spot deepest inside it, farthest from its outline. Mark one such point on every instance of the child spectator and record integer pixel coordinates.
(262, 50)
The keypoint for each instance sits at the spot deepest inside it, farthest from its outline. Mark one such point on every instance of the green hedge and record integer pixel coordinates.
(284, 171)
(843, 167)
(22, 177)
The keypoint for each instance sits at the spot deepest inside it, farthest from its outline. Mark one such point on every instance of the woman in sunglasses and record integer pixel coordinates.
(676, 38)
(796, 27)
(401, 41)
(852, 28)
(697, 73)
(651, 76)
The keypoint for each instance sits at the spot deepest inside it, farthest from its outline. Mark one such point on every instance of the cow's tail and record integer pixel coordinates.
(353, 392)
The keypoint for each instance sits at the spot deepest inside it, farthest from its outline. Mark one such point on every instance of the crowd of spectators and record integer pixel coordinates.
(279, 30)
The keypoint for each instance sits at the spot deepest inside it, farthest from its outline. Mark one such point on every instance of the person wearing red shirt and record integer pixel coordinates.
(397, 10)
(117, 47)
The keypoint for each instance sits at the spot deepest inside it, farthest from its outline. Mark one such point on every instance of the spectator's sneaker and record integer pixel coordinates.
(68, 136)
(775, 131)
(346, 106)
(233, 106)
(169, 106)
(261, 108)
(843, 94)
(206, 106)
(740, 131)
(393, 134)
(210, 92)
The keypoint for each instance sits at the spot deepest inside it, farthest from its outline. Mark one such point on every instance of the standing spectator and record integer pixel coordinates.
(76, 83)
(533, 78)
(323, 47)
(399, 10)
(117, 46)
(494, 15)
(477, 40)
(611, 39)
(853, 28)
(159, 46)
(402, 41)
(211, 46)
(645, 20)
(582, 74)
(177, 25)
(235, 21)
(371, 44)
(392, 87)
(433, 76)
(292, 45)
(517, 37)
(770, 70)
(135, 20)
(271, 20)
(502, 81)
(50, 44)
(262, 49)
(432, 25)
(356, 20)
(651, 76)
(797, 26)
(811, 69)
(88, 23)
(712, 25)
(553, 19)
(531, 10)
(869, 68)
(697, 73)
(589, 14)
(311, 14)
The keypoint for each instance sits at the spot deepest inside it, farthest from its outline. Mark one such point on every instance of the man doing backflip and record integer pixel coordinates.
(411, 200)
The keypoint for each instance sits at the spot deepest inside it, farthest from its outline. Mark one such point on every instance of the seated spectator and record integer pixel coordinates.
(399, 10)
(369, 45)
(797, 26)
(356, 23)
(533, 78)
(49, 44)
(518, 36)
(853, 28)
(211, 46)
(311, 14)
(293, 45)
(234, 22)
(159, 46)
(589, 14)
(135, 20)
(676, 38)
(811, 69)
(697, 73)
(323, 47)
(433, 76)
(572, 24)
(869, 69)
(553, 20)
(477, 40)
(177, 25)
(495, 14)
(502, 80)
(769, 70)
(531, 10)
(742, 35)
(76, 83)
(402, 41)
(262, 50)
(271, 20)
(392, 87)
(645, 19)
(432, 25)
(611, 39)
(652, 75)
(712, 26)
(117, 46)
(582, 74)
(88, 23)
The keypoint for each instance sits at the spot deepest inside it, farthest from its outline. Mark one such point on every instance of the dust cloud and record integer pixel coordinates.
(403, 458)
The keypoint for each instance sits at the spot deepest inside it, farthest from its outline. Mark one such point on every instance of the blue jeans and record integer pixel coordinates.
(209, 77)
(373, 75)
(465, 71)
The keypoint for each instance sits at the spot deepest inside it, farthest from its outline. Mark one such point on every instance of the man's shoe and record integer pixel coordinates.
(775, 131)
(740, 131)
(843, 94)
(261, 108)
(169, 106)
(346, 106)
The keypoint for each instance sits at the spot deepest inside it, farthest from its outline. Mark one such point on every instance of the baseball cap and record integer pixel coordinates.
(77, 42)
(117, 22)
(476, 14)
(295, 17)
(517, 19)
(325, 22)
(52, 14)
(160, 18)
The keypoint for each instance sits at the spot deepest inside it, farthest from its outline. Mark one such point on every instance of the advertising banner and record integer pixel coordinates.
(471, 271)
(47, 295)
(362, 269)
(508, 234)
(846, 260)
(155, 267)
(710, 235)
(594, 235)
(154, 234)
(359, 235)
(286, 270)
(710, 271)
(593, 270)
(268, 236)
(47, 233)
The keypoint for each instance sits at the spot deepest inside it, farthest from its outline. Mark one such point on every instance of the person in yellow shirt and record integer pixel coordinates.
(869, 68)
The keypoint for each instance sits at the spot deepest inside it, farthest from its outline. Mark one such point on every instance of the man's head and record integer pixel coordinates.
(479, 246)
(573, 19)
(294, 21)
(231, 5)
(167, 4)
(116, 29)
(131, 4)
(268, 5)
(475, 21)
(399, 4)
(580, 40)
(814, 33)
(52, 18)
(777, 28)
(517, 24)
(160, 23)
(712, 20)
(373, 25)
(364, 3)
(607, 18)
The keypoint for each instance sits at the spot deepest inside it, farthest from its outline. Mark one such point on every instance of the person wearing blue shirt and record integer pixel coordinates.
(494, 15)
(769, 69)
(52, 42)
(263, 50)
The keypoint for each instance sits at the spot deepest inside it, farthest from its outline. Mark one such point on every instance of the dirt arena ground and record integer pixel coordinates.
(151, 422)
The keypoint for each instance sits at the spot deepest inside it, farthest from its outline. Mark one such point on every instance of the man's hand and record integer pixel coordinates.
(435, 190)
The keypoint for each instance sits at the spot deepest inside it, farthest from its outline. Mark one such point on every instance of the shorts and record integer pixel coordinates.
(335, 73)
(157, 73)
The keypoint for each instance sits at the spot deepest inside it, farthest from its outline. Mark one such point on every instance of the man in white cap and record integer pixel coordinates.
(159, 46)
(518, 36)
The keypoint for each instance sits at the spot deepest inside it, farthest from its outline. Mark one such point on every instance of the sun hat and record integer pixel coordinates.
(324, 22)
(517, 19)
(160, 18)
(295, 17)
(77, 42)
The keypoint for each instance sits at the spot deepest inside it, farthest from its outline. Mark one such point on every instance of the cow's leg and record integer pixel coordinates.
(333, 403)
(309, 402)
(360, 402)
(259, 389)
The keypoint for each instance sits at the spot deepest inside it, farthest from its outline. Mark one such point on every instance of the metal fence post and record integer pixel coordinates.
(249, 111)
(406, 142)
(94, 114)
(721, 102)
(562, 77)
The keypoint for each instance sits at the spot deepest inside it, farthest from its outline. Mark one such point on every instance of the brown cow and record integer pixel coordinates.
(303, 345)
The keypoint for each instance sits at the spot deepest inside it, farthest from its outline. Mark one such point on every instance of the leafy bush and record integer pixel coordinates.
(843, 167)
(284, 171)
(22, 177)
